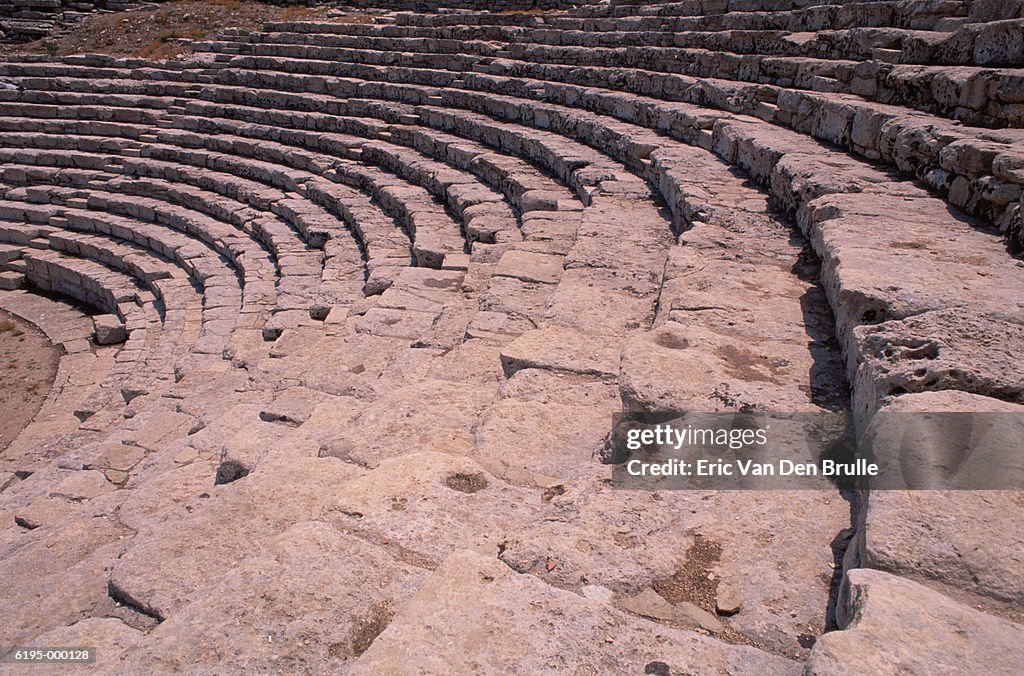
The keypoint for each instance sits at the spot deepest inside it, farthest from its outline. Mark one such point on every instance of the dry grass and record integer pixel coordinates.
(165, 32)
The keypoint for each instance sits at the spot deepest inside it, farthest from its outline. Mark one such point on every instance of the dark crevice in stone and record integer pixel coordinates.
(124, 599)
(228, 471)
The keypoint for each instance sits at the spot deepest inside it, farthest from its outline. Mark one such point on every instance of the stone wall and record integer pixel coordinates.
(24, 20)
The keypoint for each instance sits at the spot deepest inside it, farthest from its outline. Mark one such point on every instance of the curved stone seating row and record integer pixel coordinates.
(143, 358)
(287, 147)
(480, 209)
(457, 206)
(161, 190)
(82, 235)
(957, 94)
(268, 228)
(572, 163)
(207, 230)
(42, 83)
(506, 174)
(91, 284)
(170, 327)
(433, 231)
(850, 122)
(344, 256)
(961, 94)
(93, 73)
(497, 104)
(188, 252)
(736, 37)
(827, 8)
(975, 168)
(208, 269)
(131, 132)
(576, 164)
(916, 14)
(985, 43)
(94, 284)
(90, 107)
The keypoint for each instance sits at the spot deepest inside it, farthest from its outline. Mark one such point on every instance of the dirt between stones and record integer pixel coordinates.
(28, 364)
(166, 30)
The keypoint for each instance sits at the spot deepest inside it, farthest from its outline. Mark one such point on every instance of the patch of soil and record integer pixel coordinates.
(164, 31)
(466, 483)
(28, 365)
(695, 581)
(366, 629)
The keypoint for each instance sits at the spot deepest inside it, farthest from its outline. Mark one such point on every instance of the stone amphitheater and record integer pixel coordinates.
(344, 312)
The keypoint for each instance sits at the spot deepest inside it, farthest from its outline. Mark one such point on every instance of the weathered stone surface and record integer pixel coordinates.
(57, 575)
(963, 541)
(903, 627)
(561, 350)
(152, 575)
(292, 606)
(10, 280)
(528, 626)
(383, 285)
(530, 267)
(428, 504)
(109, 330)
(685, 544)
(680, 367)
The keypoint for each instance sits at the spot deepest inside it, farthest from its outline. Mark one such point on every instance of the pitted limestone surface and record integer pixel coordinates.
(382, 287)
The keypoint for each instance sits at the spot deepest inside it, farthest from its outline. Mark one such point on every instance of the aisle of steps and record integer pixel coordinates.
(385, 286)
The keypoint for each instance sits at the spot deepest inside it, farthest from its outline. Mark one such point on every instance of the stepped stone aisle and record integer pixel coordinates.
(345, 310)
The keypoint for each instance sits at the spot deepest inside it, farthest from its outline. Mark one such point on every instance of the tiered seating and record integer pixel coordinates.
(875, 131)
(395, 279)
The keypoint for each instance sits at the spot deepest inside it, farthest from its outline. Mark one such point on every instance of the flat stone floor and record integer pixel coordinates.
(28, 364)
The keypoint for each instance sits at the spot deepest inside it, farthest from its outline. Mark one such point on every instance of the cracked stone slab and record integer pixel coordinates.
(292, 605)
(955, 349)
(678, 367)
(966, 542)
(153, 574)
(111, 638)
(474, 614)
(545, 422)
(900, 626)
(530, 267)
(566, 350)
(412, 416)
